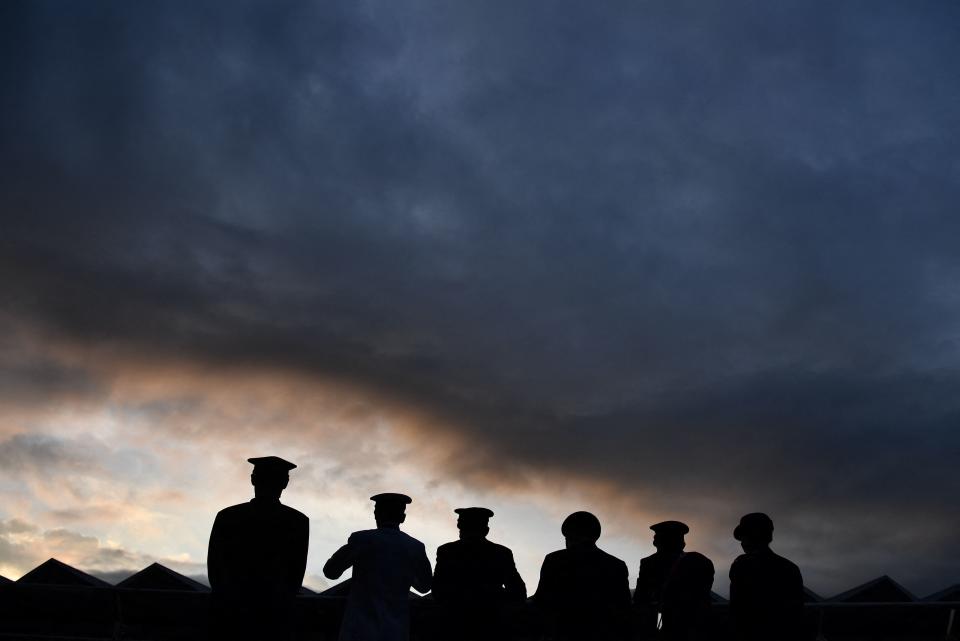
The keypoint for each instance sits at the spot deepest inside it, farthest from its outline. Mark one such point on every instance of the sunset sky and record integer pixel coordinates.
(653, 259)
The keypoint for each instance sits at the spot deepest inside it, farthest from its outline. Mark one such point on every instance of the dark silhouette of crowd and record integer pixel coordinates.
(258, 552)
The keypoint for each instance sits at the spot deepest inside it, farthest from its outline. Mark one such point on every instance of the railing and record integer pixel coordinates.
(35, 612)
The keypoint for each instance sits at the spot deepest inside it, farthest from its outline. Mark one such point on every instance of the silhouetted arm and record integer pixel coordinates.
(734, 575)
(515, 588)
(545, 596)
(341, 560)
(620, 602)
(440, 584)
(740, 596)
(422, 573)
(298, 564)
(643, 601)
(622, 594)
(795, 594)
(215, 553)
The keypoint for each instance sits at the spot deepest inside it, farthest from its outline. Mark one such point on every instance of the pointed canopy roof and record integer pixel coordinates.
(716, 598)
(304, 590)
(159, 577)
(54, 572)
(880, 590)
(945, 595)
(4, 579)
(809, 596)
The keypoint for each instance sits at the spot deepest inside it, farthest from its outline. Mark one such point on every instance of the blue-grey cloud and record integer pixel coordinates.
(700, 249)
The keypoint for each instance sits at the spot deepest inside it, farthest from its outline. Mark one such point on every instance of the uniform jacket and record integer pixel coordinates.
(652, 576)
(585, 594)
(255, 562)
(476, 571)
(766, 596)
(258, 548)
(386, 564)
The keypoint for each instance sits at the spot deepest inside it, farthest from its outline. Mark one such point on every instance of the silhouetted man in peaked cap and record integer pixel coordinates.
(386, 564)
(675, 584)
(584, 592)
(766, 590)
(256, 559)
(475, 579)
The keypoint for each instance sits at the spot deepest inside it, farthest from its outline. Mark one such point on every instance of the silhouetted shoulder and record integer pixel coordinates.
(764, 576)
(738, 563)
(380, 536)
(767, 560)
(292, 515)
(412, 542)
(362, 536)
(239, 509)
(500, 550)
(611, 561)
(447, 548)
(411, 539)
(787, 565)
(234, 516)
(696, 561)
(556, 556)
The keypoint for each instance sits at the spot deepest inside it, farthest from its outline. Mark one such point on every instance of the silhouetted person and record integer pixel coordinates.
(674, 584)
(584, 592)
(256, 559)
(386, 564)
(475, 579)
(766, 590)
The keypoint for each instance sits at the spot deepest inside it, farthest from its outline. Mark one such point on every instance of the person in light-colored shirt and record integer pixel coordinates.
(386, 563)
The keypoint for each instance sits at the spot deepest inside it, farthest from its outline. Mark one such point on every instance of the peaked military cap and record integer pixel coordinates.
(271, 464)
(474, 514)
(755, 522)
(670, 528)
(392, 499)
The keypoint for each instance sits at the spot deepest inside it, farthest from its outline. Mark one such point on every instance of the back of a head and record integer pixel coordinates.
(581, 526)
(694, 573)
(390, 508)
(473, 531)
(389, 515)
(755, 530)
(473, 522)
(668, 536)
(270, 475)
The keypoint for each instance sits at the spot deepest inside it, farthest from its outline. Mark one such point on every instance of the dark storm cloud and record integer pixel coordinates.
(36, 381)
(30, 375)
(599, 240)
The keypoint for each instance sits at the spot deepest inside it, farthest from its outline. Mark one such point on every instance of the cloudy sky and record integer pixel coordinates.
(653, 259)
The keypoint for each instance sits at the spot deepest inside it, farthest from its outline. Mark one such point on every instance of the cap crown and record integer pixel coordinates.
(674, 528)
(753, 523)
(391, 498)
(271, 464)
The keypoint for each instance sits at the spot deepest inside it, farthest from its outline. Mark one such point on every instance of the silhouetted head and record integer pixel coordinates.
(270, 476)
(755, 531)
(668, 536)
(390, 508)
(473, 522)
(580, 528)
